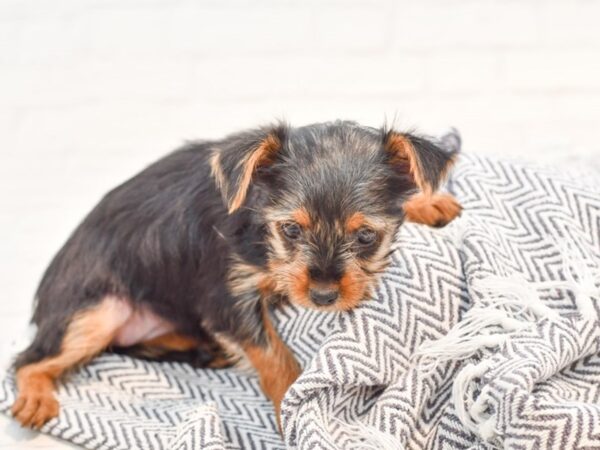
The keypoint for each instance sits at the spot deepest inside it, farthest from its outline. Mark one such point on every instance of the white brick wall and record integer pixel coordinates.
(91, 90)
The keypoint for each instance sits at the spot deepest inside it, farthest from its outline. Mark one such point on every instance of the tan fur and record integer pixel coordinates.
(89, 332)
(290, 278)
(403, 154)
(262, 155)
(353, 288)
(434, 210)
(233, 353)
(302, 218)
(276, 366)
(300, 280)
(288, 274)
(355, 222)
(36, 403)
(377, 263)
(217, 173)
(277, 245)
(293, 279)
(244, 277)
(173, 341)
(178, 342)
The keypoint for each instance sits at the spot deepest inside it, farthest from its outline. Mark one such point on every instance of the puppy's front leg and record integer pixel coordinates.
(276, 366)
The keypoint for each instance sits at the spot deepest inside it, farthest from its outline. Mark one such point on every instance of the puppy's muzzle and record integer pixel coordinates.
(324, 297)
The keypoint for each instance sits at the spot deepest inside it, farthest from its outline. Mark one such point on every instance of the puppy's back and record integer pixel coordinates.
(146, 240)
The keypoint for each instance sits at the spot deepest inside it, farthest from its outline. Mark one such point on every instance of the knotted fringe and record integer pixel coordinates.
(371, 437)
(508, 304)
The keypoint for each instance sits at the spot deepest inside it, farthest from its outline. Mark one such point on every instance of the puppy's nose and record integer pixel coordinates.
(323, 297)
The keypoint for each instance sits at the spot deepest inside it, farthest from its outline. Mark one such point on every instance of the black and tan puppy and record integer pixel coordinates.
(183, 260)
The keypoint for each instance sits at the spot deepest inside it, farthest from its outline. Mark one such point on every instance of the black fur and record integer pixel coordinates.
(432, 162)
(165, 238)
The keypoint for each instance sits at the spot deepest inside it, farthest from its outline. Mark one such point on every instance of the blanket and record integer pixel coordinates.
(480, 335)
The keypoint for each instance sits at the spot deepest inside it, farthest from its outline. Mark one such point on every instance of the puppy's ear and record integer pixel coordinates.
(238, 158)
(426, 162)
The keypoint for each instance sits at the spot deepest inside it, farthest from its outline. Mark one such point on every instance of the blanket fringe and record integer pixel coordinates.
(509, 304)
(371, 437)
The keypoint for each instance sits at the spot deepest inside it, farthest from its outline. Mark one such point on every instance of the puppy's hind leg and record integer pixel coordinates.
(88, 333)
(174, 346)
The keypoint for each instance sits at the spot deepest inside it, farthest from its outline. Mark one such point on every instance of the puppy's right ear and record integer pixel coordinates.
(237, 158)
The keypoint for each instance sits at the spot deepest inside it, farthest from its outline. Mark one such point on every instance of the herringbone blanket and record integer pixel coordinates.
(482, 335)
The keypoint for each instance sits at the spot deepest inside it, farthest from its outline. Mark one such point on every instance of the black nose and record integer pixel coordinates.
(323, 297)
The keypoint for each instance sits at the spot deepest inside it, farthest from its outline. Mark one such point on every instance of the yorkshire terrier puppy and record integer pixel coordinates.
(182, 261)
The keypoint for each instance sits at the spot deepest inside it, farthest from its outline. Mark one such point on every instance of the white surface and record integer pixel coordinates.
(92, 90)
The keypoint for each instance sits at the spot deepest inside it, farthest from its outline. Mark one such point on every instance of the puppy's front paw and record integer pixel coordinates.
(34, 409)
(35, 404)
(435, 210)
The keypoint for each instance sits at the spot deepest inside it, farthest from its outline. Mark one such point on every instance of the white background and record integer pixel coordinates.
(93, 90)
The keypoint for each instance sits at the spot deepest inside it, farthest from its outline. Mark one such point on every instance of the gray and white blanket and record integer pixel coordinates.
(482, 335)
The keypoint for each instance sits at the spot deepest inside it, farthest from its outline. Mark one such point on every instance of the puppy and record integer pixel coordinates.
(182, 261)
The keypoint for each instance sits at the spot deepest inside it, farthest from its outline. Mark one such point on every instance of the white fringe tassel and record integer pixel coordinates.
(371, 437)
(473, 414)
(508, 304)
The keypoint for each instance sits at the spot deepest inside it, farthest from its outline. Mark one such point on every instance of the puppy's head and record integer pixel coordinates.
(328, 198)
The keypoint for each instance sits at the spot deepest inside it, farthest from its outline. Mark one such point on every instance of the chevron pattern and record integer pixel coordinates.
(543, 384)
(117, 402)
(362, 387)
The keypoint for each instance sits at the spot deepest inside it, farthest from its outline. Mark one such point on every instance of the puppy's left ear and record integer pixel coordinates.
(238, 159)
(425, 161)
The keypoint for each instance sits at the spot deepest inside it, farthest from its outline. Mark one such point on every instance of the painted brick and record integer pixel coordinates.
(554, 70)
(466, 24)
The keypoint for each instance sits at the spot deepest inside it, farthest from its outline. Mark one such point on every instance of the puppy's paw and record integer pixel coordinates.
(447, 208)
(436, 210)
(35, 404)
(34, 410)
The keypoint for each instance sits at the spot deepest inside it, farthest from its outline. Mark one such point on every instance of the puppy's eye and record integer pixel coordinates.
(291, 230)
(366, 236)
